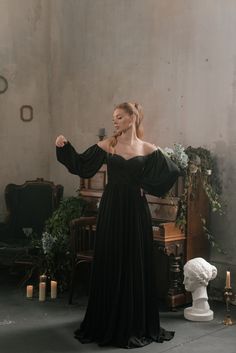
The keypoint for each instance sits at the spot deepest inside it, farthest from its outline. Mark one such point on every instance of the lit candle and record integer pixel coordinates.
(42, 291)
(42, 278)
(227, 283)
(29, 292)
(53, 289)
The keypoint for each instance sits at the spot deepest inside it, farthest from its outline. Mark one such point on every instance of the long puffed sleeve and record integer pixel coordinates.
(159, 174)
(84, 164)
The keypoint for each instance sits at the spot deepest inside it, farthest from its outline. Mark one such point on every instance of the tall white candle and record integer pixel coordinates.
(29, 291)
(53, 289)
(42, 291)
(227, 283)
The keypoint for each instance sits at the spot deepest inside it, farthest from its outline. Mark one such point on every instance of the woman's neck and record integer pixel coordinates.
(128, 137)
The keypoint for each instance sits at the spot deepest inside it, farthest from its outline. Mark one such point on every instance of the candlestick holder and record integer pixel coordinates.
(101, 134)
(229, 297)
(101, 137)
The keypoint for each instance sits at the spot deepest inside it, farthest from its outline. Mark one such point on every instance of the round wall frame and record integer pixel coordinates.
(3, 84)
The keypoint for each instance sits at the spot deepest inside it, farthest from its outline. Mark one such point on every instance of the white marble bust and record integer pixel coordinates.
(197, 273)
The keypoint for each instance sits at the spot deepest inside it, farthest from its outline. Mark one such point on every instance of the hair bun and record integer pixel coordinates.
(214, 272)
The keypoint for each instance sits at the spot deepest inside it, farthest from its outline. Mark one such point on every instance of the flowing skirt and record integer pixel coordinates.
(122, 307)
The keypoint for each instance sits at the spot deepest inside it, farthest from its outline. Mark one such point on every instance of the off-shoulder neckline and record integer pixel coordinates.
(128, 159)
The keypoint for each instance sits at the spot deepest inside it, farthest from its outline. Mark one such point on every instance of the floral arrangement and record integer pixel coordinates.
(53, 248)
(56, 242)
(197, 161)
(178, 155)
(48, 242)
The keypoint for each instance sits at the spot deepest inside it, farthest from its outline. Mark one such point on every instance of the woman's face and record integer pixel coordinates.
(122, 120)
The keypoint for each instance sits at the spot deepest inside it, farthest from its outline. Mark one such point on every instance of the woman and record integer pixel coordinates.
(122, 307)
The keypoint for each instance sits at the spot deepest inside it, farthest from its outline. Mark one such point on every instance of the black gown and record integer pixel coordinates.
(122, 307)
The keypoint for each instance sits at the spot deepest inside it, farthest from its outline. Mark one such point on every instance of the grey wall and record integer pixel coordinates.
(176, 57)
(24, 47)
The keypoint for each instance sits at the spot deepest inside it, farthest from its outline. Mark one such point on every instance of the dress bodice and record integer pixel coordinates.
(125, 171)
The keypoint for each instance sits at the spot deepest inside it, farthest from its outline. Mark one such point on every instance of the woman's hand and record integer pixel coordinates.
(60, 141)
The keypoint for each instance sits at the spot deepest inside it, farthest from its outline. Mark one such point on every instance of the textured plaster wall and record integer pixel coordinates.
(176, 57)
(24, 48)
(72, 60)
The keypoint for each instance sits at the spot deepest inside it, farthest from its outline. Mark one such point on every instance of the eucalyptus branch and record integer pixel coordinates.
(211, 238)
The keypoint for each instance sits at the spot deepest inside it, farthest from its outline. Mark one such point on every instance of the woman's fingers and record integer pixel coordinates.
(60, 141)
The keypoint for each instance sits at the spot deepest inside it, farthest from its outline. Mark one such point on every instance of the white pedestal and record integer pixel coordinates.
(198, 315)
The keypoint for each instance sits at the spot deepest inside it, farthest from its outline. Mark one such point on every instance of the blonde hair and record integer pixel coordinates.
(130, 108)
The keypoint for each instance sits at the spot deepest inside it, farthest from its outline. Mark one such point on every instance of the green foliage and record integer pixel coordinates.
(181, 219)
(56, 242)
(69, 208)
(211, 238)
(210, 183)
(201, 164)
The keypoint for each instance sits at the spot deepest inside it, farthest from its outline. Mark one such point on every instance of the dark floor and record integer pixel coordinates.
(29, 326)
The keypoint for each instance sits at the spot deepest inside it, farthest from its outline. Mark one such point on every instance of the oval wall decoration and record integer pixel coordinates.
(26, 113)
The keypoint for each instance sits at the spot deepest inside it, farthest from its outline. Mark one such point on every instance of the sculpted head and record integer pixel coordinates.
(198, 272)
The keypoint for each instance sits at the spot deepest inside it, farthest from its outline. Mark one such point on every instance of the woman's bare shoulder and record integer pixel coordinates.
(104, 144)
(149, 147)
